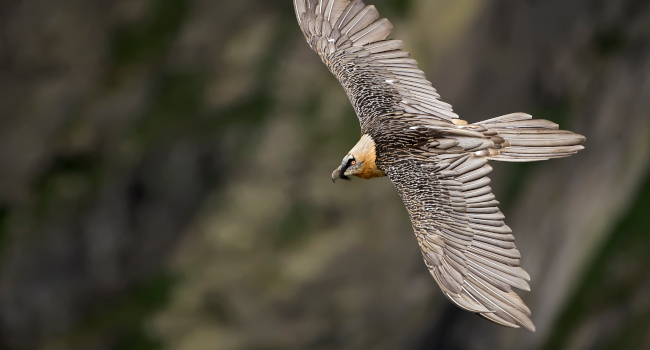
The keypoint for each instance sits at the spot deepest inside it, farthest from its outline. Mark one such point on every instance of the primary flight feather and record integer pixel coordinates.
(437, 162)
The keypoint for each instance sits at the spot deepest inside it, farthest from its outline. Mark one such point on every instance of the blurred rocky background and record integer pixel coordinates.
(165, 177)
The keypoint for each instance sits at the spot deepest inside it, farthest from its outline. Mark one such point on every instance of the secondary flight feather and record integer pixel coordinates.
(437, 162)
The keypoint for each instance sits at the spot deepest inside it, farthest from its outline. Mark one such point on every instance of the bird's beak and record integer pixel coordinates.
(336, 174)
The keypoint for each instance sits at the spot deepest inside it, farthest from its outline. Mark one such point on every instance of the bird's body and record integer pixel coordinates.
(437, 162)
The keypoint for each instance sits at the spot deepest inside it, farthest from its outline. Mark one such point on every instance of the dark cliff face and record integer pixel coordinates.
(164, 177)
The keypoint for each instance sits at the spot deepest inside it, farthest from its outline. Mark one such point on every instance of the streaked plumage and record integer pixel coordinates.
(437, 162)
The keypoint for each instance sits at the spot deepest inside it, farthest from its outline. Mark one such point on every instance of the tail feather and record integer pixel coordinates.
(526, 139)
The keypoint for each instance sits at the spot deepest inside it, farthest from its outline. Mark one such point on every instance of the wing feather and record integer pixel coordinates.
(469, 252)
(378, 76)
(349, 13)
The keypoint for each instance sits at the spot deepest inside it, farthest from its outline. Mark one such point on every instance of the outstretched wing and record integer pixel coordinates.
(467, 247)
(377, 75)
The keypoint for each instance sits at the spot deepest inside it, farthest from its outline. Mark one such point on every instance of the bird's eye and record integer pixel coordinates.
(353, 162)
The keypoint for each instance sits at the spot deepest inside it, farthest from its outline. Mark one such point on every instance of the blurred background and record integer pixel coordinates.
(165, 177)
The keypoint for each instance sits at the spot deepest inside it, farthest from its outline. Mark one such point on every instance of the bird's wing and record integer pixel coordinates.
(467, 247)
(377, 75)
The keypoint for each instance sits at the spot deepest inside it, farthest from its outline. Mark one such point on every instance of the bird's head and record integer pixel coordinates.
(349, 166)
(360, 161)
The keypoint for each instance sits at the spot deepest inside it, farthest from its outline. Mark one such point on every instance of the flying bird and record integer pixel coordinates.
(437, 162)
